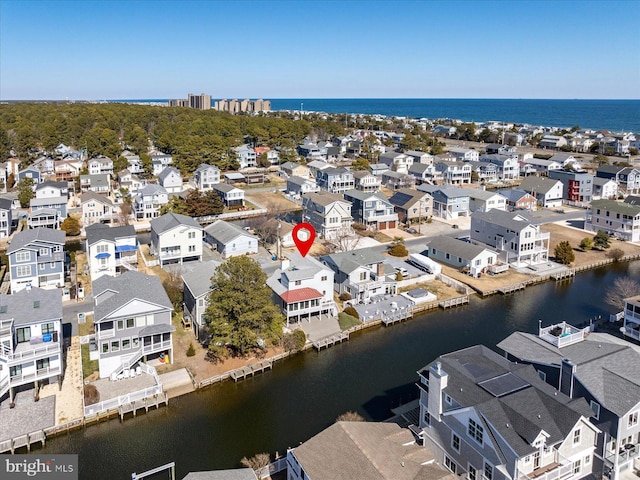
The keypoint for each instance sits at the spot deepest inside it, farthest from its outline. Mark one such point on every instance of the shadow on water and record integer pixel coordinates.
(379, 407)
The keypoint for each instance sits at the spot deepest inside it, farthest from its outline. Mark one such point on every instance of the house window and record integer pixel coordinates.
(527, 459)
(15, 371)
(449, 463)
(105, 347)
(115, 345)
(488, 471)
(135, 342)
(120, 324)
(126, 343)
(455, 443)
(475, 431)
(427, 418)
(324, 278)
(44, 251)
(471, 472)
(633, 419)
(23, 270)
(131, 323)
(192, 248)
(23, 334)
(448, 399)
(576, 436)
(47, 328)
(102, 248)
(576, 467)
(587, 460)
(298, 282)
(542, 375)
(23, 256)
(595, 406)
(363, 276)
(42, 363)
(192, 235)
(42, 265)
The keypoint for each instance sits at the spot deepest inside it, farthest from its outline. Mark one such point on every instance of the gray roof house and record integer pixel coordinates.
(460, 254)
(171, 179)
(373, 210)
(6, 214)
(412, 204)
(148, 201)
(230, 239)
(99, 183)
(176, 238)
(448, 202)
(132, 317)
(548, 192)
(599, 368)
(486, 417)
(195, 294)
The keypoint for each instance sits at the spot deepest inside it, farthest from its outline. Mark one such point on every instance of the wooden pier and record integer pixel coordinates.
(564, 275)
(27, 440)
(399, 317)
(145, 403)
(454, 302)
(251, 370)
(512, 288)
(331, 340)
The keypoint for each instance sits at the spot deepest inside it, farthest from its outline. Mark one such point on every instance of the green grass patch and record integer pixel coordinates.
(346, 321)
(88, 366)
(382, 238)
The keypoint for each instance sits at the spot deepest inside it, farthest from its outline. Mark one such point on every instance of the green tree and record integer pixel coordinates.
(601, 159)
(71, 225)
(564, 253)
(360, 164)
(25, 191)
(397, 248)
(586, 244)
(240, 314)
(601, 240)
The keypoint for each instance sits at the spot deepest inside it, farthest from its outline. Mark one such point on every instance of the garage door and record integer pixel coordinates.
(392, 224)
(382, 226)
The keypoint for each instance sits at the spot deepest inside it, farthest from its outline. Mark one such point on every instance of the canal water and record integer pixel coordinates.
(372, 373)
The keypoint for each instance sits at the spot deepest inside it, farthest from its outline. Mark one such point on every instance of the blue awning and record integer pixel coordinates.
(103, 255)
(126, 248)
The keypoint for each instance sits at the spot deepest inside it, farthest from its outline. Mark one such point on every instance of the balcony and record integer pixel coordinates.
(632, 330)
(627, 453)
(559, 469)
(39, 374)
(562, 334)
(27, 351)
(166, 253)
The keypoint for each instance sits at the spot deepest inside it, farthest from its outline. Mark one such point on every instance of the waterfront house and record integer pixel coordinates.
(100, 183)
(465, 154)
(195, 295)
(335, 180)
(328, 213)
(419, 157)
(100, 164)
(175, 238)
(366, 181)
(148, 202)
(49, 206)
(159, 161)
(373, 210)
(364, 450)
(30, 172)
(396, 161)
(508, 165)
(395, 180)
(513, 235)
(303, 289)
(299, 185)
(615, 218)
(485, 417)
(96, 208)
(230, 239)
(205, 177)
(486, 172)
(361, 273)
(246, 156)
(631, 312)
(132, 321)
(129, 181)
(6, 214)
(37, 258)
(448, 202)
(454, 173)
(412, 205)
(231, 196)
(481, 200)
(171, 180)
(110, 250)
(548, 192)
(43, 217)
(519, 200)
(541, 166)
(577, 186)
(627, 178)
(462, 255)
(30, 339)
(598, 368)
(604, 189)
(296, 170)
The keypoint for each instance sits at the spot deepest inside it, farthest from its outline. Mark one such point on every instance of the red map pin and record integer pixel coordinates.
(303, 236)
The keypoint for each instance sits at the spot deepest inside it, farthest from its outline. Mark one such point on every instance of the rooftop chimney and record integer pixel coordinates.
(438, 380)
(284, 264)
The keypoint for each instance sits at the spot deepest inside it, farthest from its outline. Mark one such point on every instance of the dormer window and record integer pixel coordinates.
(475, 431)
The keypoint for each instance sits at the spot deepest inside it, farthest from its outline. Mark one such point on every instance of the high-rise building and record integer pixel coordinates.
(201, 102)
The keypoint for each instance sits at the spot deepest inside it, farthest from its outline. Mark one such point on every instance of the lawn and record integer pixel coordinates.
(88, 366)
(85, 328)
(346, 321)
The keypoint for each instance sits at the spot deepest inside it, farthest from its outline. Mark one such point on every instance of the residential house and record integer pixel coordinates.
(454, 173)
(136, 166)
(426, 173)
(30, 339)
(604, 188)
(148, 202)
(315, 166)
(373, 210)
(32, 173)
(632, 200)
(159, 161)
(365, 181)
(171, 179)
(230, 240)
(6, 217)
(42, 216)
(362, 274)
(552, 141)
(486, 417)
(465, 154)
(175, 238)
(100, 165)
(577, 186)
(615, 218)
(66, 170)
(232, 178)
(49, 189)
(395, 180)
(397, 161)
(296, 170)
(508, 165)
(419, 157)
(335, 180)
(272, 156)
(548, 192)
(100, 183)
(44, 165)
(246, 156)
(37, 258)
(328, 213)
(412, 205)
(500, 149)
(96, 208)
(377, 169)
(448, 202)
(462, 255)
(195, 295)
(566, 159)
(517, 240)
(230, 195)
(3, 177)
(519, 200)
(481, 200)
(299, 185)
(310, 151)
(443, 130)
(205, 177)
(303, 289)
(597, 368)
(364, 450)
(132, 321)
(627, 178)
(130, 181)
(631, 318)
(111, 250)
(541, 166)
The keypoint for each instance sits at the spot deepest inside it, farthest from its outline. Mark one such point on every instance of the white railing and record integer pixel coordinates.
(631, 332)
(102, 334)
(625, 454)
(155, 347)
(4, 386)
(149, 370)
(629, 314)
(49, 347)
(129, 362)
(122, 400)
(37, 375)
(274, 467)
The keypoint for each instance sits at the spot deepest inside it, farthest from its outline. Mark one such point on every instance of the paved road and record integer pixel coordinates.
(70, 312)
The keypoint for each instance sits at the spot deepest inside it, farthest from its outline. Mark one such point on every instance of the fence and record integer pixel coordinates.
(460, 287)
(113, 403)
(274, 467)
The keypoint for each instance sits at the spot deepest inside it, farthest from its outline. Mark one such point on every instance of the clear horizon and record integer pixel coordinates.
(119, 50)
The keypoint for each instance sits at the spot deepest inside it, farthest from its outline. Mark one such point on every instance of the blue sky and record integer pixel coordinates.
(361, 49)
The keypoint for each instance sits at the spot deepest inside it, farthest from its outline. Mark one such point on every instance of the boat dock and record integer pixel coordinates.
(251, 370)
(454, 302)
(145, 403)
(331, 340)
(23, 441)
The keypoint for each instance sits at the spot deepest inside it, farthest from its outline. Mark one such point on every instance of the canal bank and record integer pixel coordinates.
(215, 427)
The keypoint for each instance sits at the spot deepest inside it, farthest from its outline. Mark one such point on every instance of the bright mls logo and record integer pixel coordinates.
(52, 467)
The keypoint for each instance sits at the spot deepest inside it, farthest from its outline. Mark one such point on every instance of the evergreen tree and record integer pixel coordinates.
(564, 253)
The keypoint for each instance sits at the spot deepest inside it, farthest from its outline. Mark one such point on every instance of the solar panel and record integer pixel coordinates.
(401, 198)
(503, 384)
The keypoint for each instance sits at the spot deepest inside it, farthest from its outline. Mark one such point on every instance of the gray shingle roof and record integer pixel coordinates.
(32, 306)
(324, 198)
(198, 278)
(127, 287)
(99, 231)
(405, 197)
(25, 237)
(458, 248)
(617, 207)
(171, 220)
(233, 474)
(38, 202)
(151, 189)
(538, 184)
(349, 261)
(508, 220)
(224, 232)
(88, 196)
(168, 171)
(364, 196)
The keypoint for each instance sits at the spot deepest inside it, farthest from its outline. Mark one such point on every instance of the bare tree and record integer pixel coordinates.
(345, 240)
(124, 213)
(623, 287)
(256, 462)
(350, 417)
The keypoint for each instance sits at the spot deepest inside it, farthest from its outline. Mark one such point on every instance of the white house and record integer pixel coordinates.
(397, 161)
(230, 239)
(465, 154)
(604, 189)
(460, 254)
(246, 156)
(616, 218)
(205, 177)
(100, 164)
(230, 195)
(111, 250)
(176, 238)
(171, 179)
(299, 185)
(130, 181)
(328, 213)
(159, 161)
(482, 200)
(96, 208)
(148, 202)
(547, 191)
